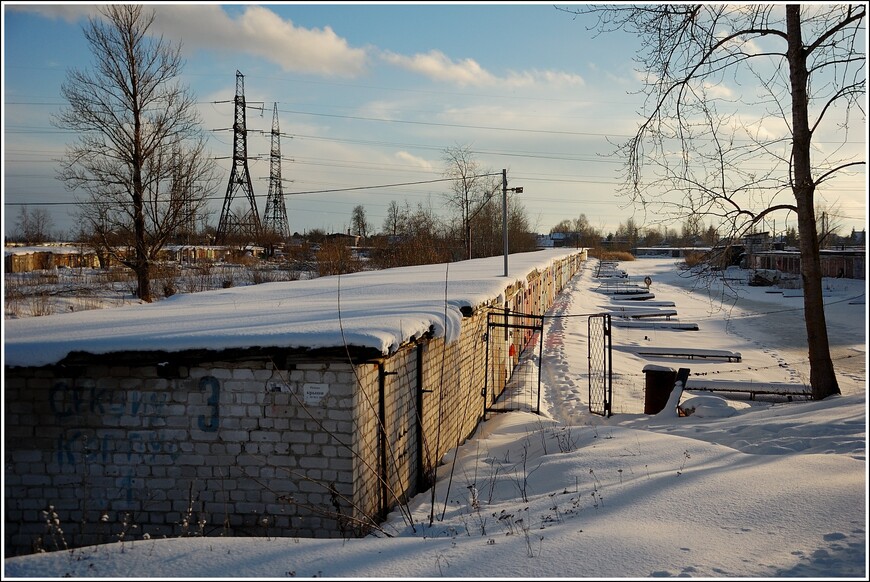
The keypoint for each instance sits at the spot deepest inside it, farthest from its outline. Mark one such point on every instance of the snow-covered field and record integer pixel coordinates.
(763, 324)
(751, 489)
(69, 290)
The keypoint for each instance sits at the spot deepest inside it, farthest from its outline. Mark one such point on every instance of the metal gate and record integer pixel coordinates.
(513, 362)
(600, 365)
(514, 358)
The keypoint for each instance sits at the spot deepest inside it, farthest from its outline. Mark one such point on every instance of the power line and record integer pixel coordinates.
(24, 129)
(452, 125)
(324, 191)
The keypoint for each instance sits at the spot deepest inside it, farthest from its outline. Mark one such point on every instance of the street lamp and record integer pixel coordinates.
(504, 228)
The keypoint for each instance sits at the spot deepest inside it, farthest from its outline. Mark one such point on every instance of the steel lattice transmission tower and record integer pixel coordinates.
(275, 218)
(240, 177)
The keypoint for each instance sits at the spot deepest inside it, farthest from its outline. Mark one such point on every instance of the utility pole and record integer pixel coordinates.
(504, 214)
(504, 229)
(240, 176)
(275, 218)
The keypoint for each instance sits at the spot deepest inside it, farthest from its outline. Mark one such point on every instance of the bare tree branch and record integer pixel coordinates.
(697, 148)
(140, 157)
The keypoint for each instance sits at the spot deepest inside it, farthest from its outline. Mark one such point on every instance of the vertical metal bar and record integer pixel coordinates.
(486, 365)
(608, 407)
(382, 438)
(421, 484)
(540, 360)
(589, 357)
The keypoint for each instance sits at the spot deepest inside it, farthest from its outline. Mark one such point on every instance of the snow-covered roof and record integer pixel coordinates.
(372, 309)
(56, 249)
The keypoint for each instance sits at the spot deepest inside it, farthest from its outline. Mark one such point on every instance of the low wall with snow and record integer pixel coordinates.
(244, 442)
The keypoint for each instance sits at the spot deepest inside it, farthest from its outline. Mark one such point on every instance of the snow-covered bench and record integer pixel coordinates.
(623, 290)
(689, 353)
(636, 297)
(633, 303)
(654, 324)
(752, 388)
(635, 313)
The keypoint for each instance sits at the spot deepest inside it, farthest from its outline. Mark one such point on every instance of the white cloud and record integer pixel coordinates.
(257, 31)
(741, 44)
(762, 128)
(436, 65)
(261, 32)
(405, 157)
(718, 90)
(68, 12)
(467, 72)
(550, 78)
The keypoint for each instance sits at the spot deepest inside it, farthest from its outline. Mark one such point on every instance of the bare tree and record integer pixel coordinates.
(628, 233)
(579, 232)
(692, 227)
(392, 222)
(743, 157)
(469, 188)
(359, 224)
(587, 235)
(34, 226)
(652, 237)
(522, 237)
(828, 224)
(335, 258)
(484, 230)
(565, 226)
(710, 237)
(140, 155)
(414, 238)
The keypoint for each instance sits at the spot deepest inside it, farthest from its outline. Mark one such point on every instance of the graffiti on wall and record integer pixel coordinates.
(115, 410)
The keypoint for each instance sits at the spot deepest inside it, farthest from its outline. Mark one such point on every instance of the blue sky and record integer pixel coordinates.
(368, 95)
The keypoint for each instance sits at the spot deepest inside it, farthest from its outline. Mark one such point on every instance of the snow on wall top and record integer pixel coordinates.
(372, 309)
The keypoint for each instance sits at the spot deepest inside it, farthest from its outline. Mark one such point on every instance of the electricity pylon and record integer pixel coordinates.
(275, 218)
(240, 177)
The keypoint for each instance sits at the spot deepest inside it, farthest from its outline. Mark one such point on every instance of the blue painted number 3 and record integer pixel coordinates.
(210, 424)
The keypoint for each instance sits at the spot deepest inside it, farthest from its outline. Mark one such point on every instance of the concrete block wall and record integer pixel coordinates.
(384, 441)
(241, 446)
(401, 388)
(432, 404)
(454, 374)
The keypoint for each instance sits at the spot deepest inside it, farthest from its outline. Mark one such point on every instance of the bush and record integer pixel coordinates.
(611, 255)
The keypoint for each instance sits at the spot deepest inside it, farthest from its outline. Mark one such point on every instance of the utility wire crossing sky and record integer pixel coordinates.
(369, 97)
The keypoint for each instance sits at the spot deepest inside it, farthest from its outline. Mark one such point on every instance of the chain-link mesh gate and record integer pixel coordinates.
(513, 362)
(600, 365)
(514, 357)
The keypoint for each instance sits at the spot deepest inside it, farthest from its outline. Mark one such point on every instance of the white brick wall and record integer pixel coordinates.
(235, 440)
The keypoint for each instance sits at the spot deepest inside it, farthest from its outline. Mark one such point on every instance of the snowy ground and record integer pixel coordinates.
(760, 323)
(69, 290)
(752, 489)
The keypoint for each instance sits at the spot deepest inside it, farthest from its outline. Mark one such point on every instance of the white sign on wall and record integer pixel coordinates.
(314, 393)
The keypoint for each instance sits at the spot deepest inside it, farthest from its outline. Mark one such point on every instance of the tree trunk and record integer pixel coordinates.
(822, 376)
(143, 277)
(468, 239)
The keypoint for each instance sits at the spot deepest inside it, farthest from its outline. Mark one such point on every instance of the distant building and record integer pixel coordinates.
(663, 251)
(544, 241)
(848, 263)
(43, 257)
